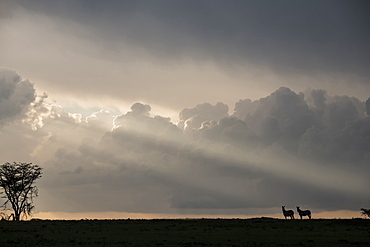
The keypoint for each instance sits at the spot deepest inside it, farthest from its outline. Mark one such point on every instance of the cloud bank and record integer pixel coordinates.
(288, 148)
(222, 50)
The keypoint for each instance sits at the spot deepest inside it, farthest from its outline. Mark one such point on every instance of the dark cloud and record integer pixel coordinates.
(343, 109)
(287, 36)
(277, 191)
(309, 149)
(228, 130)
(341, 148)
(314, 126)
(16, 96)
(283, 116)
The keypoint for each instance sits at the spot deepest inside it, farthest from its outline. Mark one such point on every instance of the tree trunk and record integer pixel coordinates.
(16, 217)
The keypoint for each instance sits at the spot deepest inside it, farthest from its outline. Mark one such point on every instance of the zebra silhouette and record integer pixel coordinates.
(304, 213)
(288, 213)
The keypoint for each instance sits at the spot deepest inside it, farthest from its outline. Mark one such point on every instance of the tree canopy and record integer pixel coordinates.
(17, 181)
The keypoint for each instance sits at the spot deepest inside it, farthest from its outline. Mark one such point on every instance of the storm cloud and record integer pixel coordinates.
(16, 96)
(308, 148)
(177, 28)
(241, 49)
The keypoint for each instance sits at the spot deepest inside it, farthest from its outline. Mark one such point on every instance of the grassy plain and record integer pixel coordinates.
(187, 232)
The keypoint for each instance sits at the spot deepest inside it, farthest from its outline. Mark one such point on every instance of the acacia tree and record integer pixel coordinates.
(17, 181)
(365, 212)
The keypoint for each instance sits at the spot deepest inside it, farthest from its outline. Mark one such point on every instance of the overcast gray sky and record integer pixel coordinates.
(179, 107)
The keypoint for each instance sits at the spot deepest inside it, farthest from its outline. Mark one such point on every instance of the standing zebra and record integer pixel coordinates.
(288, 213)
(304, 213)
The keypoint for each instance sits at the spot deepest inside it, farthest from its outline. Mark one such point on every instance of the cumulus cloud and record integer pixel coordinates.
(194, 118)
(16, 96)
(137, 130)
(312, 125)
(286, 148)
(283, 116)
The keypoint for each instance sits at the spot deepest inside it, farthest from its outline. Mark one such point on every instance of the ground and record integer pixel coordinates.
(187, 232)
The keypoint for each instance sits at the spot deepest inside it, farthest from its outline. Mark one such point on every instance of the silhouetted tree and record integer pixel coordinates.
(365, 212)
(17, 181)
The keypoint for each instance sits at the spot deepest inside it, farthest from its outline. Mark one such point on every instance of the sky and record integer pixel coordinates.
(188, 108)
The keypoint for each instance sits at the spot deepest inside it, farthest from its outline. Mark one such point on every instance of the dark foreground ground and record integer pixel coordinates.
(187, 232)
